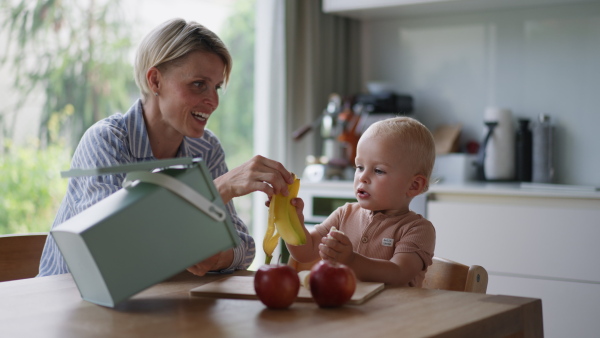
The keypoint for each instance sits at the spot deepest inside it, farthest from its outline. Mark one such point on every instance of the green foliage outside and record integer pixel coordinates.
(233, 120)
(32, 187)
(76, 51)
(30, 181)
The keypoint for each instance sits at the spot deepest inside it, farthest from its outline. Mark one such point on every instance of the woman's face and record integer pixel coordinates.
(188, 92)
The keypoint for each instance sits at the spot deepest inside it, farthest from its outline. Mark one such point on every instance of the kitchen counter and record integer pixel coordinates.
(516, 189)
(475, 187)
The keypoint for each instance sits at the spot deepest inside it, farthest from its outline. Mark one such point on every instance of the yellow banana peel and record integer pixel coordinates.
(287, 222)
(283, 222)
(271, 236)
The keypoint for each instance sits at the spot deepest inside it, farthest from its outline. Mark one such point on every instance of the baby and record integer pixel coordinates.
(379, 237)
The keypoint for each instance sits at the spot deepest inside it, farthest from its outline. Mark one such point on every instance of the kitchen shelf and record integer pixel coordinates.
(390, 9)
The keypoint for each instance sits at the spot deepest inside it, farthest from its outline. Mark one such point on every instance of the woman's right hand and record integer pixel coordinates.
(257, 174)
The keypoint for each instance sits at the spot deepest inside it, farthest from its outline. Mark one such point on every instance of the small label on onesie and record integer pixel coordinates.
(387, 242)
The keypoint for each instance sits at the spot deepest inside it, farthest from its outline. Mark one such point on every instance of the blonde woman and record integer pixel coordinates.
(179, 68)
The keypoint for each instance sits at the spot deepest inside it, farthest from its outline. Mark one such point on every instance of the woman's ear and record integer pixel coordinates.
(417, 185)
(153, 78)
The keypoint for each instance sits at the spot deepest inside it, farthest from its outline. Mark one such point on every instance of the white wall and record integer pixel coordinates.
(535, 60)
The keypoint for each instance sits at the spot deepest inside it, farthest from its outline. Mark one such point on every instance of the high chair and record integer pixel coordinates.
(445, 274)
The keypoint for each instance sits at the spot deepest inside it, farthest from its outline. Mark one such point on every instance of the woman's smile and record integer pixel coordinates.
(203, 117)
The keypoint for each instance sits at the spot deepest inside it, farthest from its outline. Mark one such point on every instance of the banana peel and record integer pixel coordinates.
(271, 236)
(283, 222)
(287, 222)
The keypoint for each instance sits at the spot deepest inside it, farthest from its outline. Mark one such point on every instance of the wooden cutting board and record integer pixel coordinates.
(242, 287)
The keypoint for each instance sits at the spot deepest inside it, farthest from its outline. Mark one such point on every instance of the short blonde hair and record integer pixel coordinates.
(170, 42)
(411, 136)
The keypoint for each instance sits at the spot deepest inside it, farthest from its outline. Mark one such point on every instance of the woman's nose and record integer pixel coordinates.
(212, 98)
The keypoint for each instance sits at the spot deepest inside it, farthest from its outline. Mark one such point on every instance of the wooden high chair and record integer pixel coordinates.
(445, 274)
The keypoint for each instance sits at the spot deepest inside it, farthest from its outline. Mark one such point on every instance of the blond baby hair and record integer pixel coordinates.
(410, 135)
(171, 41)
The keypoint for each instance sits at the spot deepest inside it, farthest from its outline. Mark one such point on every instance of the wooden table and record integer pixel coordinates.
(52, 307)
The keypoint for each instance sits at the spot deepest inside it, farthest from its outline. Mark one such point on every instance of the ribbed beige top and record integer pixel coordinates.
(381, 236)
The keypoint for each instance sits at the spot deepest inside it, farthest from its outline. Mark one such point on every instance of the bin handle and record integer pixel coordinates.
(177, 187)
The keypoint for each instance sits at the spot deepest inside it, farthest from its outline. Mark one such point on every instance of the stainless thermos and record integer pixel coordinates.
(542, 162)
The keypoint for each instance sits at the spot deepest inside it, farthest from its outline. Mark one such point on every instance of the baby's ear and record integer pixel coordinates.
(417, 185)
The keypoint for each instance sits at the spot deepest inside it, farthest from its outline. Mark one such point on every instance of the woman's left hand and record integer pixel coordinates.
(258, 174)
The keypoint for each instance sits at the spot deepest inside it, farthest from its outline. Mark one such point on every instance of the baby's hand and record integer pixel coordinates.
(336, 247)
(334, 229)
(298, 203)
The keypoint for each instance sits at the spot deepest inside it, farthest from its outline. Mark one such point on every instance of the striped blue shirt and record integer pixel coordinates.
(121, 139)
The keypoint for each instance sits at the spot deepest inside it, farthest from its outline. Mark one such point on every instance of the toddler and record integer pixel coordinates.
(379, 237)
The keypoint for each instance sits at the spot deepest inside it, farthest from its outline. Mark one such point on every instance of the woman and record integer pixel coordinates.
(180, 67)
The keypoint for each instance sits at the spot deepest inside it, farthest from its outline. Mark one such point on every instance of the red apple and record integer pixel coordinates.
(276, 286)
(332, 284)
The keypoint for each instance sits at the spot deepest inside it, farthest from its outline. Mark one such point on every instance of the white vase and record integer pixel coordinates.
(499, 163)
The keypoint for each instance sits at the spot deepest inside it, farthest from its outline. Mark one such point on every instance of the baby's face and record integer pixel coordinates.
(383, 175)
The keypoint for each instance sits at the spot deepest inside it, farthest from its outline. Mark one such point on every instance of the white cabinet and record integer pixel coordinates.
(537, 246)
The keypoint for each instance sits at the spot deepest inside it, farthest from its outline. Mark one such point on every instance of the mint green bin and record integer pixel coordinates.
(157, 226)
